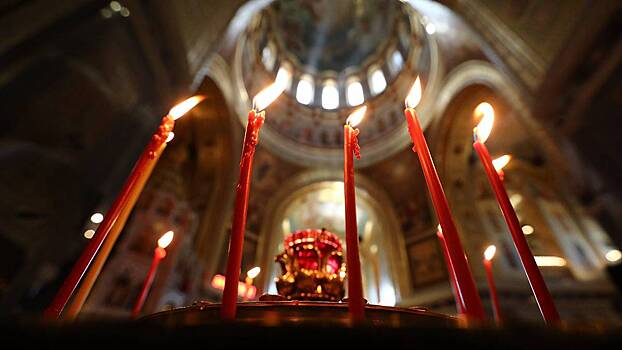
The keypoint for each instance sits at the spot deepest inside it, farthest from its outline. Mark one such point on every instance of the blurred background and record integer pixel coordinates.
(84, 84)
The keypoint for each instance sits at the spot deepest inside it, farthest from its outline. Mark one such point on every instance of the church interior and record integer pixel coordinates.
(84, 85)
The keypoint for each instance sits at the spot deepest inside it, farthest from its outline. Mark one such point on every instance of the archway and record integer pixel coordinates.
(315, 198)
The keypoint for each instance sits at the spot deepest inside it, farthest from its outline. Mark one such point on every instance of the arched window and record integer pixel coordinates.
(377, 81)
(267, 57)
(305, 90)
(396, 62)
(330, 95)
(354, 93)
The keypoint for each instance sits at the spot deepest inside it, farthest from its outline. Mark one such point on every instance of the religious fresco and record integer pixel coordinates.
(331, 35)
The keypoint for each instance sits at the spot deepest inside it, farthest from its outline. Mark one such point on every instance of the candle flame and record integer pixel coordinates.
(550, 261)
(487, 114)
(266, 96)
(356, 117)
(252, 273)
(501, 162)
(184, 107)
(166, 239)
(414, 96)
(489, 253)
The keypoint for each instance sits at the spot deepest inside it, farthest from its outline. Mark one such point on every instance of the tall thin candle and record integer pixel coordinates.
(538, 286)
(489, 253)
(465, 283)
(356, 303)
(256, 119)
(158, 255)
(148, 156)
(450, 270)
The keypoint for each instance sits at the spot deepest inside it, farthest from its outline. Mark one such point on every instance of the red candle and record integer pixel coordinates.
(540, 291)
(163, 134)
(356, 303)
(488, 255)
(464, 278)
(450, 269)
(158, 255)
(256, 118)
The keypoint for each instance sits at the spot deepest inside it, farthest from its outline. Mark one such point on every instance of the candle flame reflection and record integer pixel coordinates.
(487, 114)
(414, 96)
(184, 107)
(489, 253)
(501, 162)
(166, 239)
(356, 117)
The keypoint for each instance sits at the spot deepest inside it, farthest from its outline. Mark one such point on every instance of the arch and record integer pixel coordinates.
(271, 231)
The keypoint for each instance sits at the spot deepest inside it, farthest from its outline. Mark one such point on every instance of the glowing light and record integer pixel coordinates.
(170, 137)
(501, 162)
(166, 239)
(330, 96)
(97, 218)
(397, 61)
(555, 261)
(430, 28)
(283, 77)
(184, 107)
(378, 82)
(515, 199)
(252, 273)
(342, 274)
(487, 114)
(266, 96)
(267, 58)
(115, 6)
(489, 253)
(355, 117)
(218, 282)
(304, 91)
(88, 234)
(528, 229)
(354, 94)
(613, 255)
(414, 95)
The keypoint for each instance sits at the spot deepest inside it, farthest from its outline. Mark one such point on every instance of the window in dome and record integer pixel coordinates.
(354, 94)
(305, 90)
(267, 57)
(397, 62)
(330, 95)
(377, 81)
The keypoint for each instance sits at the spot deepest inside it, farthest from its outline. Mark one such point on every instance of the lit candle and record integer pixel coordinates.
(250, 276)
(464, 278)
(256, 117)
(158, 255)
(489, 253)
(84, 289)
(450, 270)
(540, 291)
(146, 161)
(356, 303)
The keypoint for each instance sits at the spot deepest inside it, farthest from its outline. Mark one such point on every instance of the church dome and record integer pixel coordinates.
(340, 55)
